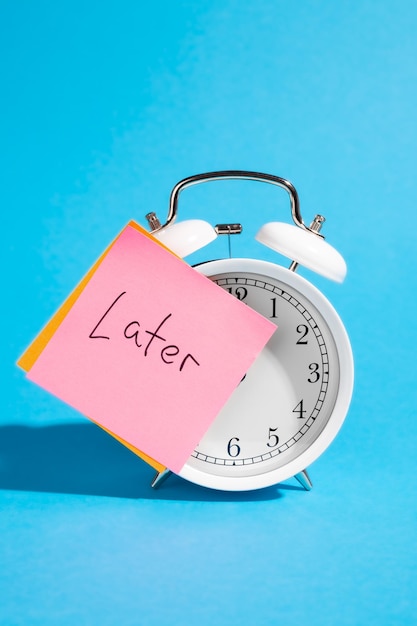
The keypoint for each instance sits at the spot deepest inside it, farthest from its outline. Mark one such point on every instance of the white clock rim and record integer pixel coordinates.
(343, 398)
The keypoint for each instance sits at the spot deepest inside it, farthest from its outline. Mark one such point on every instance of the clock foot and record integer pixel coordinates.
(304, 480)
(160, 478)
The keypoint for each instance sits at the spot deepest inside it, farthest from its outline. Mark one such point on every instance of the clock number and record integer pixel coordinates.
(233, 449)
(300, 410)
(274, 308)
(239, 292)
(273, 440)
(302, 330)
(315, 374)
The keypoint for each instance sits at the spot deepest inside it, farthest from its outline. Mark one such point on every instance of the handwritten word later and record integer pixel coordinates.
(169, 354)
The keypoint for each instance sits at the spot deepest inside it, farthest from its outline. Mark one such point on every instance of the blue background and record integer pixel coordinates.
(104, 107)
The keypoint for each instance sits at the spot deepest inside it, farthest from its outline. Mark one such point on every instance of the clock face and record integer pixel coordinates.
(293, 399)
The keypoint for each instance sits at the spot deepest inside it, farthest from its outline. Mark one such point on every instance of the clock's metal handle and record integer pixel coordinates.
(228, 175)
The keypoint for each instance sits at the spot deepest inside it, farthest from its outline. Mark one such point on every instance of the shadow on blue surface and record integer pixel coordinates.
(83, 459)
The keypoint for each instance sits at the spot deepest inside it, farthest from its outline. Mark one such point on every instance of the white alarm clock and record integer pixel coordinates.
(293, 400)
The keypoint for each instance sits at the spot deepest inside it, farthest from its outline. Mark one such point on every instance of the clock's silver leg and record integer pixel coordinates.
(304, 480)
(160, 477)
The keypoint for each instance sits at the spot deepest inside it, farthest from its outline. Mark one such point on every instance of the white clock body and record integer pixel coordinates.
(294, 398)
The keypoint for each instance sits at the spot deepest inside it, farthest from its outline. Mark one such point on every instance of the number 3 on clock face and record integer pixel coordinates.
(293, 400)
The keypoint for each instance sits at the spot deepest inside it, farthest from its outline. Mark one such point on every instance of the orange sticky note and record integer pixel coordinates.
(150, 349)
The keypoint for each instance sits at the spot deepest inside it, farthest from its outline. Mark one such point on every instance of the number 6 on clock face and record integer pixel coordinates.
(293, 400)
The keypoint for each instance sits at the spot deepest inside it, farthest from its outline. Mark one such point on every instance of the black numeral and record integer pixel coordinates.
(315, 374)
(302, 330)
(233, 449)
(273, 439)
(239, 292)
(299, 410)
(274, 308)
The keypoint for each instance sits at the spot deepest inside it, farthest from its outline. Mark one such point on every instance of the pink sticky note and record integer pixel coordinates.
(151, 350)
